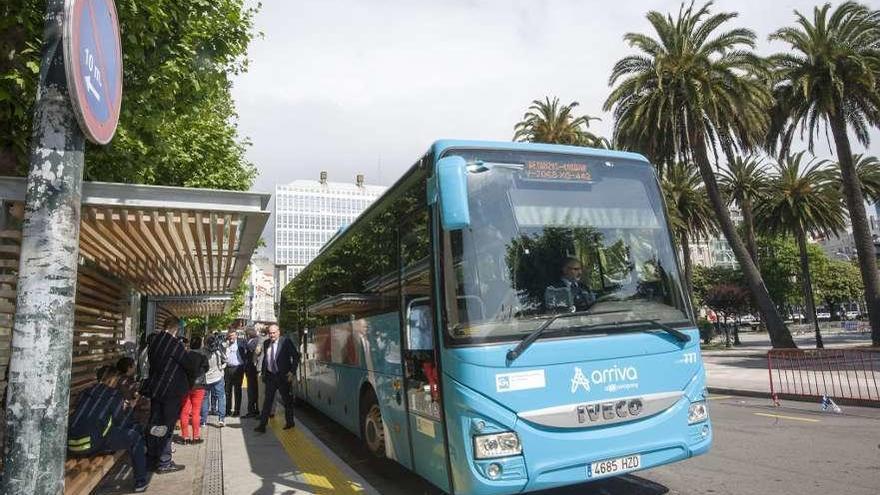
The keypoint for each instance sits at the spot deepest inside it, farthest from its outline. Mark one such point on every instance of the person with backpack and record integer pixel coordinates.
(100, 423)
(166, 385)
(215, 354)
(190, 413)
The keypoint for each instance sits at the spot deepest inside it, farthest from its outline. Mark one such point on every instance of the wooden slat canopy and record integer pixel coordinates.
(192, 306)
(166, 241)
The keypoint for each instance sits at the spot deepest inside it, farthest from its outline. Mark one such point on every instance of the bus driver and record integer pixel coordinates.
(569, 291)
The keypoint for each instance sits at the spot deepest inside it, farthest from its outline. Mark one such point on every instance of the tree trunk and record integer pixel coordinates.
(807, 286)
(688, 267)
(855, 203)
(779, 334)
(749, 224)
(39, 368)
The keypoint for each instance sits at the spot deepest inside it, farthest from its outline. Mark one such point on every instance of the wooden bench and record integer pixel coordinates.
(82, 474)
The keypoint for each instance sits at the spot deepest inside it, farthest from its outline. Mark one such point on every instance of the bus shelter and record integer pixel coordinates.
(145, 253)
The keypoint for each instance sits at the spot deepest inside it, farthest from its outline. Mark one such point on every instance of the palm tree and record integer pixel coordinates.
(549, 122)
(802, 199)
(830, 77)
(689, 211)
(693, 89)
(868, 171)
(744, 181)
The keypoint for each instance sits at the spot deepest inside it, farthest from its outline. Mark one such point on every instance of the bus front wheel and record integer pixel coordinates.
(372, 426)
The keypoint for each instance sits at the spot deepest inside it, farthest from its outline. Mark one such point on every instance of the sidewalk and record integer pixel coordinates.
(236, 460)
(742, 370)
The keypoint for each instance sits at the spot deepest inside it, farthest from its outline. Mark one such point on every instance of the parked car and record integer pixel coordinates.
(750, 320)
(823, 315)
(852, 315)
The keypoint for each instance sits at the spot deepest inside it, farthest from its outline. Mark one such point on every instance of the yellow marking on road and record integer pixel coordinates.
(315, 468)
(719, 397)
(780, 416)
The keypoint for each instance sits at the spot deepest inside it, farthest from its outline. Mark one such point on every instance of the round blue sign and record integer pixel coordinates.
(93, 61)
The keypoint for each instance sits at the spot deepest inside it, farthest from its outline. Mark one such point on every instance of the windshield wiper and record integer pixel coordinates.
(679, 336)
(514, 353)
(517, 351)
(530, 338)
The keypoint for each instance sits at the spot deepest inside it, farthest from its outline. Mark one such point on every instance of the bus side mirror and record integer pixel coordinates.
(452, 185)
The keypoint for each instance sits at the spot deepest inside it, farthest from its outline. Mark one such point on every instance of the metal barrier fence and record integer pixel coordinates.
(849, 374)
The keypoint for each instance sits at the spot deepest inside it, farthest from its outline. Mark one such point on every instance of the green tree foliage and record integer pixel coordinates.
(780, 264)
(728, 300)
(549, 122)
(221, 321)
(802, 199)
(694, 88)
(177, 124)
(838, 282)
(707, 277)
(868, 171)
(744, 182)
(828, 77)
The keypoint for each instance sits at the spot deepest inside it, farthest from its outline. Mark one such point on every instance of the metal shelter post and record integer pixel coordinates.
(40, 363)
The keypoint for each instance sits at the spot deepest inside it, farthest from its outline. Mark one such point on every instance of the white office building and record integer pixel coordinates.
(308, 213)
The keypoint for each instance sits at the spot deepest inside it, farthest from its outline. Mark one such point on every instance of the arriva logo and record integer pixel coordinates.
(608, 378)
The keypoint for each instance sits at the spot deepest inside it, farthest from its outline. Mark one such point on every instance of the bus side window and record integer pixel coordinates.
(419, 325)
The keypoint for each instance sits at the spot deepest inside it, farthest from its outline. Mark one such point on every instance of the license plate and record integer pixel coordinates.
(609, 467)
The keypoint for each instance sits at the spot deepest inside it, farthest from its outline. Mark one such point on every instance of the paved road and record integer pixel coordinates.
(758, 450)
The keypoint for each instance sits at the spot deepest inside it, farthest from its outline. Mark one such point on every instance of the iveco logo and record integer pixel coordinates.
(607, 411)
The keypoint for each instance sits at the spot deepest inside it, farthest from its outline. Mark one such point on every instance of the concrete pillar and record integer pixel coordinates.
(39, 369)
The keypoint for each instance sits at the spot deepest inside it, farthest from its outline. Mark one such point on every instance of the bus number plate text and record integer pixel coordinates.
(610, 467)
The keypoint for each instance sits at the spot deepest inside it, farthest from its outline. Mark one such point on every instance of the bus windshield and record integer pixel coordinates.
(556, 233)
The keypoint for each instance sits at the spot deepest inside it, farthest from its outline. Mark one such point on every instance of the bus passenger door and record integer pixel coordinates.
(423, 393)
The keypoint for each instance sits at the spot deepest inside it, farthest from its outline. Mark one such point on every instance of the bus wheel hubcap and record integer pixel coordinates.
(373, 430)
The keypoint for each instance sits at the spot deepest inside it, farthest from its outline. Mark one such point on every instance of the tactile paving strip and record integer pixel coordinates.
(314, 467)
(212, 478)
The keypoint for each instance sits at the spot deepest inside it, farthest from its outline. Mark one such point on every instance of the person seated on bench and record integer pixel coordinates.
(101, 423)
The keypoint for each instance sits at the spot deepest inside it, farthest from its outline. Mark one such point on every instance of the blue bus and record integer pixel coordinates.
(507, 317)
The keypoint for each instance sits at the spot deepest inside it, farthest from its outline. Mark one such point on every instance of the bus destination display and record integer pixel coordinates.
(555, 171)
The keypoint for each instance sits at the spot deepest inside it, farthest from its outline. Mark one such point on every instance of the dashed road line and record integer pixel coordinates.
(794, 418)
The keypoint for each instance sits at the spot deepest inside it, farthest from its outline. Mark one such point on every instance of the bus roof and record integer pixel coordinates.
(444, 144)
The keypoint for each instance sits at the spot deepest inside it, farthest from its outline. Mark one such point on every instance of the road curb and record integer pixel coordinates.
(797, 398)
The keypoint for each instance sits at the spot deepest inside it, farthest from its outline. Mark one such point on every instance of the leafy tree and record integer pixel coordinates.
(223, 320)
(177, 124)
(707, 277)
(728, 301)
(744, 182)
(689, 211)
(868, 171)
(838, 282)
(549, 122)
(801, 200)
(829, 78)
(692, 89)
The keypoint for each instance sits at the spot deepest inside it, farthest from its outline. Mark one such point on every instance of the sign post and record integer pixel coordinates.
(39, 369)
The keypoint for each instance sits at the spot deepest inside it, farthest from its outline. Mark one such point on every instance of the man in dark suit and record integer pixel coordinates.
(252, 372)
(575, 293)
(237, 357)
(166, 385)
(280, 360)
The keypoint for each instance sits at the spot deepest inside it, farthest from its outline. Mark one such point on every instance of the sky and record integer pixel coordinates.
(365, 86)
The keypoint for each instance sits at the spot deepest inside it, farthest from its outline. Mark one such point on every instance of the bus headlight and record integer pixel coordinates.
(496, 445)
(697, 412)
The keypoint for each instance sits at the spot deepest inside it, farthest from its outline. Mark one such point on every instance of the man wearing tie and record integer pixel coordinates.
(280, 359)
